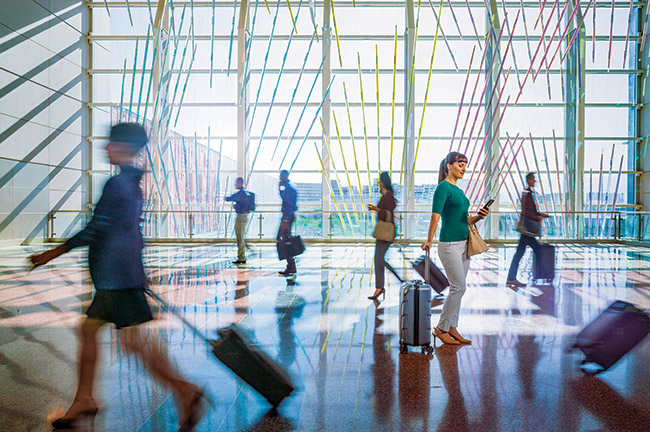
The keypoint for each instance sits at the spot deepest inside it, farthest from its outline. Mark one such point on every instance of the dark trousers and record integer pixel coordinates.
(380, 262)
(524, 241)
(283, 234)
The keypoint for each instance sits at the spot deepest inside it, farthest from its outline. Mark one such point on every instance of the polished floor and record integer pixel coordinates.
(340, 348)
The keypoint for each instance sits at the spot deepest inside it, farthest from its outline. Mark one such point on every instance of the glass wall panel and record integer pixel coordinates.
(199, 94)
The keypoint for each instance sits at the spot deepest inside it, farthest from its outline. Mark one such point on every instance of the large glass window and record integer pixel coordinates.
(496, 89)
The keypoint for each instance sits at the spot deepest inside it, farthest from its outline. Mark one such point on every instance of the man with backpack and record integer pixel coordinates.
(244, 204)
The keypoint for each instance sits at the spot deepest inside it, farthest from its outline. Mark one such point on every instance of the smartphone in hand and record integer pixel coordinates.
(487, 205)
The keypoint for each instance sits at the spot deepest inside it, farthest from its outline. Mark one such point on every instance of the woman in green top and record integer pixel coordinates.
(451, 204)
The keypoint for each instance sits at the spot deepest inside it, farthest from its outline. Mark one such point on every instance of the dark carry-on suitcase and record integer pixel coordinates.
(415, 313)
(291, 247)
(437, 278)
(544, 263)
(244, 358)
(252, 365)
(612, 334)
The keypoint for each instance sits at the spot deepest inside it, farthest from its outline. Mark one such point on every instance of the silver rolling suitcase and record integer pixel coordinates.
(415, 313)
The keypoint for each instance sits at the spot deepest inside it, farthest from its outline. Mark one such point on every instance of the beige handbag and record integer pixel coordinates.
(385, 230)
(475, 243)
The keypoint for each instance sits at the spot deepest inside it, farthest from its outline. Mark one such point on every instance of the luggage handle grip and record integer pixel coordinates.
(427, 270)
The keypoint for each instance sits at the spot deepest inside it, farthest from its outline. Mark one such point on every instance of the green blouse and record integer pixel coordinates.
(452, 205)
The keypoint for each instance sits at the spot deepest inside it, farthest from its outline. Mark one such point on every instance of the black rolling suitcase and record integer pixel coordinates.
(612, 334)
(245, 359)
(415, 314)
(544, 263)
(436, 277)
(291, 247)
(252, 365)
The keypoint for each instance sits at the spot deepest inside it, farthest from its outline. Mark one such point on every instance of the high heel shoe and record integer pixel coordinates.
(460, 339)
(197, 410)
(71, 422)
(378, 292)
(444, 337)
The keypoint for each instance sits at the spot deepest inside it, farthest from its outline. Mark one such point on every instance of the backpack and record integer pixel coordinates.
(250, 202)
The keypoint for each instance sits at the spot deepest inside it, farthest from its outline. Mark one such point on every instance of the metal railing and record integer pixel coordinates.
(331, 226)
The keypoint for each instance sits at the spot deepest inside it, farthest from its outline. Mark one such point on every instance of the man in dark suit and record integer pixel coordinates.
(530, 224)
(289, 198)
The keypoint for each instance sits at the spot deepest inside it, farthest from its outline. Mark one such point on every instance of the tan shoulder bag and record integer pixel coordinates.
(385, 230)
(475, 243)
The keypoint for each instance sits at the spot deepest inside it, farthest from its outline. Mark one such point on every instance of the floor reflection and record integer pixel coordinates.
(615, 412)
(338, 347)
(414, 382)
(455, 416)
(383, 371)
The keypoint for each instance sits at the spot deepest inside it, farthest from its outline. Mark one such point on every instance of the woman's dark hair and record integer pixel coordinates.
(451, 158)
(133, 135)
(384, 177)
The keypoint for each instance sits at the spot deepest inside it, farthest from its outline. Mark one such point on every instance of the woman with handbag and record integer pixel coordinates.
(384, 231)
(452, 206)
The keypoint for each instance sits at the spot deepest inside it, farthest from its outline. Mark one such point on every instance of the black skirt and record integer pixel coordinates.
(123, 308)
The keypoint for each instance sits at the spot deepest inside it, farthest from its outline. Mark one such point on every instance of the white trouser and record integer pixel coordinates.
(456, 264)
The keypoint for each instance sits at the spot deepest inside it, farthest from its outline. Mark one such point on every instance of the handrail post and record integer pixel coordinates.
(50, 226)
(365, 225)
(401, 226)
(329, 221)
(191, 222)
(260, 234)
(620, 226)
(640, 233)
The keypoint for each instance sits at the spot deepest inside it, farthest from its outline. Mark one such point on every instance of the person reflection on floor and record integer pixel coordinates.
(241, 305)
(117, 272)
(383, 371)
(414, 375)
(455, 417)
(527, 357)
(288, 306)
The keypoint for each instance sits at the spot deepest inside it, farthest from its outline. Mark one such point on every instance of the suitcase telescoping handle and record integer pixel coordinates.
(427, 253)
(173, 310)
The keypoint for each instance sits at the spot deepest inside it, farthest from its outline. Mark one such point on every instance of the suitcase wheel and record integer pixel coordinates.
(429, 349)
(403, 348)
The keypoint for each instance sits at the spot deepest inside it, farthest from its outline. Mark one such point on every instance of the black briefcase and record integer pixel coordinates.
(612, 334)
(252, 365)
(291, 247)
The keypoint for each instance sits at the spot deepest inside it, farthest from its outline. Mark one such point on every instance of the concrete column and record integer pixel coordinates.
(158, 136)
(325, 79)
(492, 120)
(409, 120)
(242, 105)
(574, 120)
(87, 116)
(643, 156)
